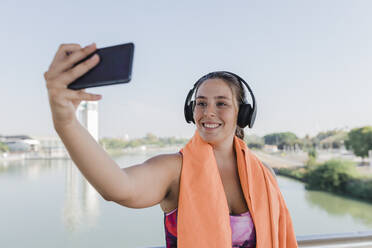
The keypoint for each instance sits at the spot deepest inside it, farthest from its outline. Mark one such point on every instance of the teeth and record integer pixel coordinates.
(211, 125)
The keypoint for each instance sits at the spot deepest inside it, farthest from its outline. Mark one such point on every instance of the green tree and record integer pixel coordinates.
(323, 135)
(113, 143)
(151, 138)
(3, 147)
(281, 139)
(360, 141)
(307, 143)
(330, 139)
(254, 141)
(312, 154)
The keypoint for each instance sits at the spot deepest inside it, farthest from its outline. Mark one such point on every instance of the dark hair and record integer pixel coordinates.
(235, 87)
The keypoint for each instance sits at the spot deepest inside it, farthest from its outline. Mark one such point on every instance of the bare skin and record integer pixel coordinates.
(155, 181)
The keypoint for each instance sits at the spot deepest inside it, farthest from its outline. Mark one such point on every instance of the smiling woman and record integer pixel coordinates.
(214, 192)
(220, 111)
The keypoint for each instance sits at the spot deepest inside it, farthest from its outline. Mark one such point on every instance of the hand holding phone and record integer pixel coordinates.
(61, 72)
(114, 67)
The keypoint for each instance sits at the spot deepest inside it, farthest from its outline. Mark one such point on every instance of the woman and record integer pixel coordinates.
(215, 113)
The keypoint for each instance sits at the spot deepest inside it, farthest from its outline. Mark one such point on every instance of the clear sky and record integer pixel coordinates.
(308, 62)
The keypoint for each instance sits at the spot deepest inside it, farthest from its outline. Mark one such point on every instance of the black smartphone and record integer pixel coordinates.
(114, 67)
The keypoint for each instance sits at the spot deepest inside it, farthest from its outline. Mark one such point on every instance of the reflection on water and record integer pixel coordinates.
(68, 211)
(310, 210)
(81, 203)
(31, 169)
(336, 205)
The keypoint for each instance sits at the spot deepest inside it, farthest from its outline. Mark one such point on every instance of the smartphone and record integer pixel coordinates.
(114, 67)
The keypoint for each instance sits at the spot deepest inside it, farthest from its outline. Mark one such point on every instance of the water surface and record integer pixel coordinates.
(47, 203)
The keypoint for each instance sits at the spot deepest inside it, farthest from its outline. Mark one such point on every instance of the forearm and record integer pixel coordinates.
(94, 163)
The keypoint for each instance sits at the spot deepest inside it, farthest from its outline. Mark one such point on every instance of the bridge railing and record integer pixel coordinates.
(354, 239)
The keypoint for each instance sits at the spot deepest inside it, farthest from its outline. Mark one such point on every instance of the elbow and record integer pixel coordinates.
(107, 197)
(120, 200)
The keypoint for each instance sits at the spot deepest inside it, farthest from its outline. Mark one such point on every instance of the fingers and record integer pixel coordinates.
(61, 95)
(60, 55)
(67, 56)
(65, 49)
(81, 95)
(65, 78)
(71, 75)
(73, 57)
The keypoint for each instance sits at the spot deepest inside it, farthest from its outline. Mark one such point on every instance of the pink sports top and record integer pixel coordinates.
(242, 229)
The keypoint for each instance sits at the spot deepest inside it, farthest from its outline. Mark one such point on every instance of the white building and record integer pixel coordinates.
(21, 143)
(51, 147)
(87, 114)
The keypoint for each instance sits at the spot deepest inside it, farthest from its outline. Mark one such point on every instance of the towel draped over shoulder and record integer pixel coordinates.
(203, 212)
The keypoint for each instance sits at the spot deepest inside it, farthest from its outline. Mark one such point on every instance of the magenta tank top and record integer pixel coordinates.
(242, 230)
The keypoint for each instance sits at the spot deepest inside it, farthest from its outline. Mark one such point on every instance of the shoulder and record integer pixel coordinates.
(172, 161)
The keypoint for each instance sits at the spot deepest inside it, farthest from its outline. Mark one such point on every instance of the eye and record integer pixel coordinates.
(221, 104)
(202, 104)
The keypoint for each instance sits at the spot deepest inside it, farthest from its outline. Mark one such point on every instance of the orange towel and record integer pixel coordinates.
(203, 214)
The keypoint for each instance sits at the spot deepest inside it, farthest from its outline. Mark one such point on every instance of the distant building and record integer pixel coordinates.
(20, 143)
(51, 147)
(270, 148)
(87, 114)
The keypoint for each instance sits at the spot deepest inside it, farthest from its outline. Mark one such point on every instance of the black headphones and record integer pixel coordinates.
(247, 113)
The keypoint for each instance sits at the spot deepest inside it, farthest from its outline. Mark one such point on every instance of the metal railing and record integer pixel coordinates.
(354, 239)
(337, 240)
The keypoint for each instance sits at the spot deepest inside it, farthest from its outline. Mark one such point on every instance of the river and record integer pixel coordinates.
(47, 203)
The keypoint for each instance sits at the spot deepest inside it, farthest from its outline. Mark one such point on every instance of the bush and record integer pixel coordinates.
(312, 153)
(333, 176)
(361, 188)
(3, 147)
(297, 173)
(311, 163)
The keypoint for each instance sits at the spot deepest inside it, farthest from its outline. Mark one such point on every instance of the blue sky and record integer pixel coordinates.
(308, 62)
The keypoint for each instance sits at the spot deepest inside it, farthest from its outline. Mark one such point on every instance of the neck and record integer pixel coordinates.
(224, 152)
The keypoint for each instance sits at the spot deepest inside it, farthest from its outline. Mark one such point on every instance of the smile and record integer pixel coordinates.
(211, 125)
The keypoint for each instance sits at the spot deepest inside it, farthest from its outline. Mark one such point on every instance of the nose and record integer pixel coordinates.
(210, 110)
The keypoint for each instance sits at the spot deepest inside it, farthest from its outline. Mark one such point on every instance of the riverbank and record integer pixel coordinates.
(336, 175)
(298, 159)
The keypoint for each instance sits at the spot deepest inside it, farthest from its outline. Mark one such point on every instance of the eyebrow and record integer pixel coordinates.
(216, 97)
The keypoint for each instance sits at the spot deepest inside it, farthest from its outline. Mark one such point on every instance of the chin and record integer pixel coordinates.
(212, 139)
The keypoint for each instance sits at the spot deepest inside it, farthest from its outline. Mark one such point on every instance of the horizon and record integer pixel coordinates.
(184, 137)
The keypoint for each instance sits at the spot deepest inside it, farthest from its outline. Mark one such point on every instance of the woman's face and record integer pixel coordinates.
(215, 111)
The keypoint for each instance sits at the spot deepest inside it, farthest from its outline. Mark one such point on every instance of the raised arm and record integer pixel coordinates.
(137, 186)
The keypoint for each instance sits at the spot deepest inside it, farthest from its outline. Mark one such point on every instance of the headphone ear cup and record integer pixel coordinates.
(189, 109)
(252, 116)
(244, 115)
